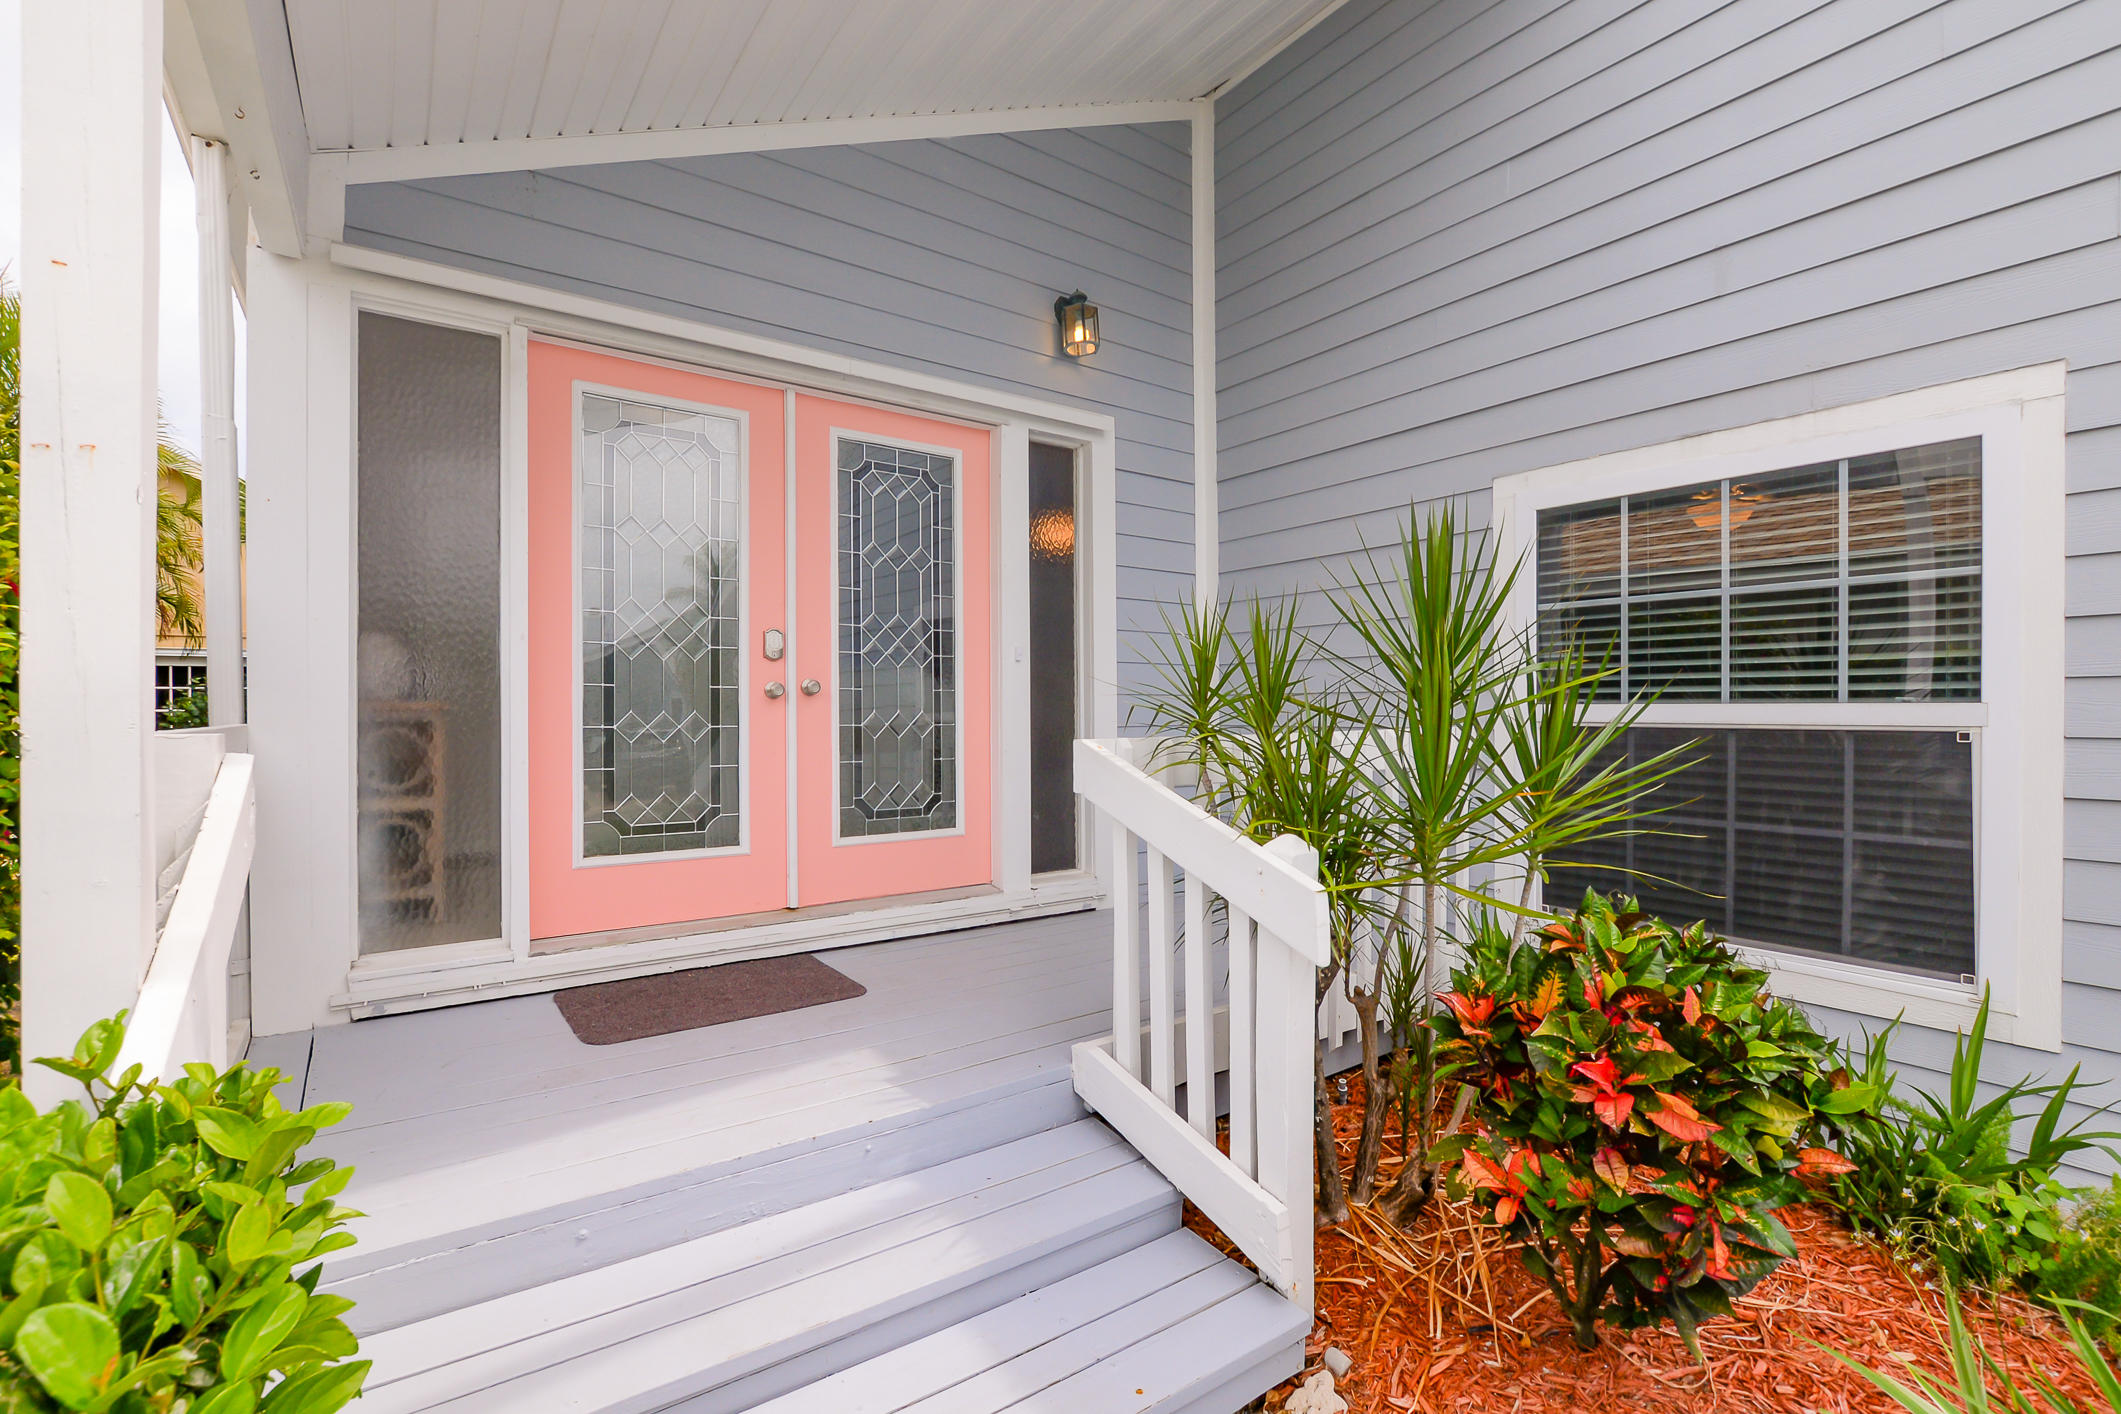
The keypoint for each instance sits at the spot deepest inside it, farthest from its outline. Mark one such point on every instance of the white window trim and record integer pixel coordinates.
(2017, 725)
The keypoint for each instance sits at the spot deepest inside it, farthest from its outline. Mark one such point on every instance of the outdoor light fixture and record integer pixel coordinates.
(1078, 324)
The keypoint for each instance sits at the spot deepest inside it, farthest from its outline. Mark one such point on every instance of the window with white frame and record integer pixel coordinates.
(1842, 619)
(1857, 579)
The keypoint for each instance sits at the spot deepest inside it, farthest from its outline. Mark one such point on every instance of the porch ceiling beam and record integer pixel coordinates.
(397, 164)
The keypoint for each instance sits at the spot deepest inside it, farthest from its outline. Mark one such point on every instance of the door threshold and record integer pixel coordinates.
(707, 927)
(389, 983)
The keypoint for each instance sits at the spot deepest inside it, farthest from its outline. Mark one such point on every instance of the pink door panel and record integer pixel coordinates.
(893, 592)
(657, 537)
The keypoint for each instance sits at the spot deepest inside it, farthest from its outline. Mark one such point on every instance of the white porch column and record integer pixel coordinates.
(1207, 547)
(91, 189)
(217, 454)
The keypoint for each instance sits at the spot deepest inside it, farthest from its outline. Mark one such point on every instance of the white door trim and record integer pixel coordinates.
(321, 976)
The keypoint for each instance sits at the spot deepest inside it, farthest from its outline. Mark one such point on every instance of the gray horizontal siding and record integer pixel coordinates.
(1458, 241)
(941, 257)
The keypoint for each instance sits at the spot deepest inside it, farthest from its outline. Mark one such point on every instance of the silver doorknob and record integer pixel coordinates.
(775, 690)
(811, 687)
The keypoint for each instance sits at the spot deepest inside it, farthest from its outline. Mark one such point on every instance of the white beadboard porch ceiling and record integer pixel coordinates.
(429, 73)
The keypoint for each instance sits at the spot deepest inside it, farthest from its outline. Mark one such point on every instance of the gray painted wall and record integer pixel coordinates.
(939, 256)
(1463, 238)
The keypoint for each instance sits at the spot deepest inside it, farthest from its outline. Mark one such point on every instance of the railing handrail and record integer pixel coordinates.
(1259, 1192)
(1273, 892)
(190, 962)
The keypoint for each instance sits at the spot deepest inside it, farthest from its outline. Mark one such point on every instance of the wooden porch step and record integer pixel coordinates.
(397, 1285)
(746, 1314)
(1170, 1328)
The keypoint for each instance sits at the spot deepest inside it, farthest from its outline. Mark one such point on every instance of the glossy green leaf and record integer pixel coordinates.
(318, 1392)
(249, 1235)
(81, 1207)
(226, 1132)
(249, 1347)
(72, 1349)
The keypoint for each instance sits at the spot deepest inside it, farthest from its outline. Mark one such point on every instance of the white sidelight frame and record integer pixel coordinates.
(91, 185)
(302, 316)
(2017, 724)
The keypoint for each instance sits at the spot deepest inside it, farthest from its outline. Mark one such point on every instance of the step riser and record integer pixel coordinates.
(1240, 1389)
(399, 1288)
(877, 1337)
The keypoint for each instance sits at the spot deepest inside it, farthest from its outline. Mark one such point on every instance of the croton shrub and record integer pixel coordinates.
(158, 1246)
(1641, 1106)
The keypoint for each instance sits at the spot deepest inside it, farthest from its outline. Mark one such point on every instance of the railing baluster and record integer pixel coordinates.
(1243, 1067)
(1163, 980)
(1200, 1011)
(1260, 1193)
(1126, 956)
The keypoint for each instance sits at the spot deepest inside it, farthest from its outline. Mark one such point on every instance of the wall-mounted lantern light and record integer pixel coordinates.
(1078, 324)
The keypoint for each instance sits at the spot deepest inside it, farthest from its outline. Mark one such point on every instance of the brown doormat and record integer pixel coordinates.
(611, 1012)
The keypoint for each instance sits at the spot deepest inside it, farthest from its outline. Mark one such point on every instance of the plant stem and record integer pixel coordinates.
(1377, 1090)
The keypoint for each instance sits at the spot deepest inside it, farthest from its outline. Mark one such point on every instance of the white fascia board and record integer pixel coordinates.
(401, 164)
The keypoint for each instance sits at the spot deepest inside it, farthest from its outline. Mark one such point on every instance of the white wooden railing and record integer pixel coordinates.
(182, 1013)
(1260, 1192)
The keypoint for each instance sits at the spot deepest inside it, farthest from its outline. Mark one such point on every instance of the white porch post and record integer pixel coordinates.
(217, 454)
(91, 188)
(1207, 550)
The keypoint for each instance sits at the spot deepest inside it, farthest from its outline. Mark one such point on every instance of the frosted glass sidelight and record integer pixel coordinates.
(897, 621)
(661, 550)
(428, 752)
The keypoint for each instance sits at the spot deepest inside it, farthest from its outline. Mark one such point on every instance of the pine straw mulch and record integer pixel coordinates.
(1444, 1319)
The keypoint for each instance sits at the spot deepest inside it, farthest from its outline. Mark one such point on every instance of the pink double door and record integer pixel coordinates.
(747, 695)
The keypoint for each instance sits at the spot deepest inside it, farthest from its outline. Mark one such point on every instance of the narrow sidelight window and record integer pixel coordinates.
(1053, 680)
(428, 756)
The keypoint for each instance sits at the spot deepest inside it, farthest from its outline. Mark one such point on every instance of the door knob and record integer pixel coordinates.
(775, 690)
(811, 687)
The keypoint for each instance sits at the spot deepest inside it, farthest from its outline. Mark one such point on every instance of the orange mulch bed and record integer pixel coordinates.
(1444, 1319)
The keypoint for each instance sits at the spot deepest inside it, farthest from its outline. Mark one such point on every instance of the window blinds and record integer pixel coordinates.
(1856, 580)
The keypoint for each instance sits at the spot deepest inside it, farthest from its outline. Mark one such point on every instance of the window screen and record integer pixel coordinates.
(1856, 580)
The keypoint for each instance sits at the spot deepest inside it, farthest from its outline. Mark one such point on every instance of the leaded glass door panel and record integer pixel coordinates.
(658, 780)
(893, 719)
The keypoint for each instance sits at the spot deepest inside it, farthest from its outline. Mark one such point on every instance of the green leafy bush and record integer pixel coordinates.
(149, 1244)
(1937, 1177)
(2085, 1265)
(1641, 1107)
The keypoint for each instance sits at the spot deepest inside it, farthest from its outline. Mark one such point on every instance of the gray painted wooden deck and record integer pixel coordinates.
(896, 1197)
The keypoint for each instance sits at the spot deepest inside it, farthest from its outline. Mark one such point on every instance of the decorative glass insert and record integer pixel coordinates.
(661, 550)
(897, 640)
(1856, 580)
(1851, 844)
